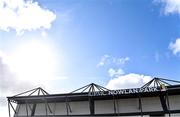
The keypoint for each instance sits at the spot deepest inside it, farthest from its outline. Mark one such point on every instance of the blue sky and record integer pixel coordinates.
(65, 44)
(138, 30)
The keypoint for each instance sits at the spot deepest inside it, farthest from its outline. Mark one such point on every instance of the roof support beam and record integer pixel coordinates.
(33, 110)
(9, 108)
(91, 105)
(26, 109)
(12, 107)
(140, 105)
(167, 99)
(163, 103)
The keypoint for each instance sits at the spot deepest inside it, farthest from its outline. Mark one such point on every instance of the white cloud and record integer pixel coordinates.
(114, 73)
(121, 60)
(9, 84)
(24, 15)
(107, 59)
(175, 47)
(44, 34)
(170, 6)
(104, 60)
(131, 80)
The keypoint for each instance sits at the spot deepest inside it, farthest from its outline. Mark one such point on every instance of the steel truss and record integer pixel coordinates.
(34, 92)
(158, 82)
(155, 82)
(90, 88)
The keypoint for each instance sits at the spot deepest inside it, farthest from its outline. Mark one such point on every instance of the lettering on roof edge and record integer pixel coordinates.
(126, 91)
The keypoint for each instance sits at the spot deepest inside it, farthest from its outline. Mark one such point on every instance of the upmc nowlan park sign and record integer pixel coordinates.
(126, 91)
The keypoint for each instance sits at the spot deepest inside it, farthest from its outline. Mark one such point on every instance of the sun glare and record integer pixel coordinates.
(34, 61)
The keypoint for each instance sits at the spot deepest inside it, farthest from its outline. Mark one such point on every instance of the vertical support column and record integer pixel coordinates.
(33, 109)
(162, 98)
(9, 108)
(140, 105)
(46, 108)
(17, 109)
(91, 105)
(114, 103)
(117, 107)
(68, 108)
(167, 99)
(54, 109)
(26, 109)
